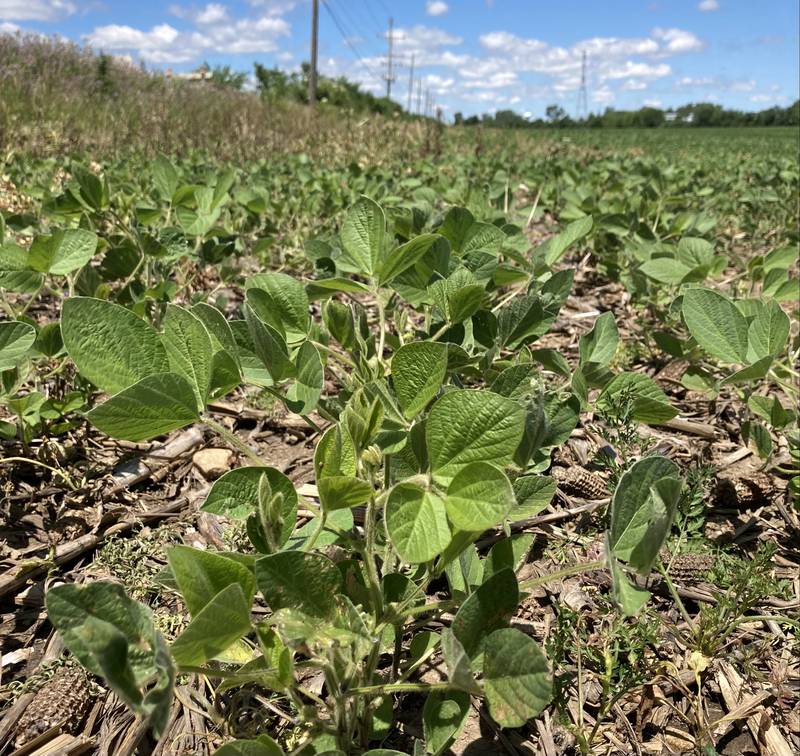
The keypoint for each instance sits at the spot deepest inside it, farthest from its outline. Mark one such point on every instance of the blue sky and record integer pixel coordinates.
(473, 55)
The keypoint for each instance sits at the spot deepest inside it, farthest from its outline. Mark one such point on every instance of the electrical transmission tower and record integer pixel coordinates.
(389, 68)
(583, 98)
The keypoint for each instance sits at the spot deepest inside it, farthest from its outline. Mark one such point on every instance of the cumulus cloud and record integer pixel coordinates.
(708, 5)
(436, 8)
(35, 10)
(675, 41)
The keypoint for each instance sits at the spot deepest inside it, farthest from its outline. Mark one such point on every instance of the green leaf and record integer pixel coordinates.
(600, 344)
(155, 405)
(405, 256)
(478, 497)
(666, 270)
(695, 252)
(549, 421)
(716, 324)
(235, 495)
(628, 597)
(757, 436)
(218, 625)
(516, 679)
(642, 511)
(263, 745)
(467, 426)
(649, 404)
(508, 553)
(110, 345)
(165, 177)
(15, 274)
(443, 716)
(281, 301)
(749, 373)
(533, 493)
(557, 245)
(16, 338)
(299, 581)
(63, 252)
(342, 492)
(416, 523)
(364, 238)
(418, 370)
(303, 395)
(459, 668)
(189, 350)
(202, 575)
(487, 608)
(514, 382)
(768, 332)
(114, 636)
(270, 347)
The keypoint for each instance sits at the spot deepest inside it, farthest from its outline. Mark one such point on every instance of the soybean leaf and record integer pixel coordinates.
(642, 511)
(516, 679)
(768, 332)
(201, 575)
(263, 745)
(235, 495)
(270, 347)
(716, 324)
(486, 609)
(189, 349)
(155, 405)
(600, 344)
(532, 493)
(749, 373)
(557, 245)
(648, 403)
(303, 395)
(110, 345)
(695, 252)
(416, 523)
(459, 668)
(418, 370)
(218, 625)
(628, 597)
(114, 636)
(363, 238)
(299, 581)
(16, 338)
(471, 426)
(63, 252)
(15, 273)
(443, 716)
(508, 553)
(479, 497)
(665, 270)
(342, 492)
(405, 256)
(281, 301)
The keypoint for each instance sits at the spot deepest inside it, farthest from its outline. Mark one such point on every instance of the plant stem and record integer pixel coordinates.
(332, 353)
(321, 517)
(675, 597)
(61, 474)
(377, 690)
(573, 569)
(234, 440)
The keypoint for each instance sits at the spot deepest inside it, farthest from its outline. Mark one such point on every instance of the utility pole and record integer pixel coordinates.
(312, 79)
(389, 70)
(419, 96)
(583, 99)
(410, 83)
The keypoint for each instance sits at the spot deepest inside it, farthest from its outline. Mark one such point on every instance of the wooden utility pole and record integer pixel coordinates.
(410, 83)
(312, 78)
(389, 70)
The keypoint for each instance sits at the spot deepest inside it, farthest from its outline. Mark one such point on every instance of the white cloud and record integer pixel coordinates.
(675, 41)
(638, 70)
(436, 8)
(633, 85)
(35, 10)
(653, 103)
(7, 28)
(165, 44)
(213, 13)
(690, 81)
(762, 98)
(708, 5)
(603, 95)
(743, 86)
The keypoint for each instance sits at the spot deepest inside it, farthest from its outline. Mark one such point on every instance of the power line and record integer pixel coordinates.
(347, 41)
(344, 14)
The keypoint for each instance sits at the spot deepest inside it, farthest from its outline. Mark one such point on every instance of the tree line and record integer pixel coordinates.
(693, 114)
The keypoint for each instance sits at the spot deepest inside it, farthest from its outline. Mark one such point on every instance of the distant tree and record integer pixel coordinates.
(458, 118)
(225, 76)
(555, 113)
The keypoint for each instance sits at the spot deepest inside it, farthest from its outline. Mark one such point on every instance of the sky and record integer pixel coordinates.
(474, 56)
